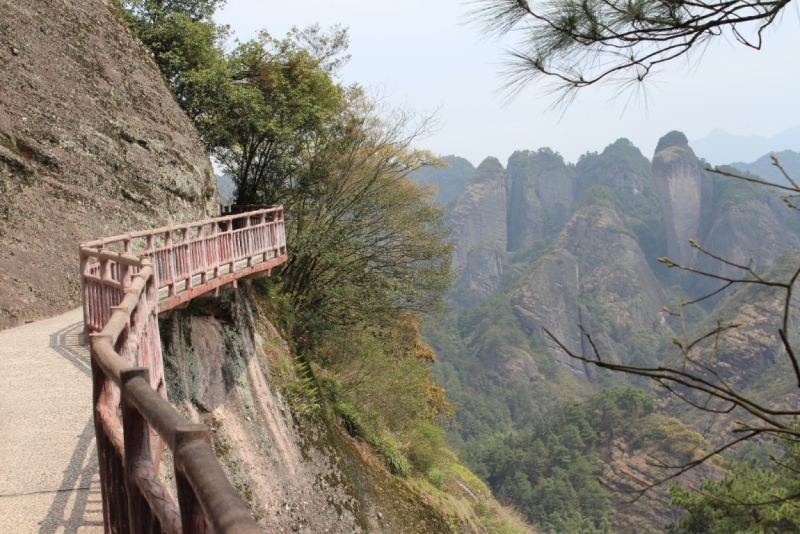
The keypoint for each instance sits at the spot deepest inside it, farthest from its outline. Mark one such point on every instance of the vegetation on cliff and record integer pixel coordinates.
(368, 253)
(544, 245)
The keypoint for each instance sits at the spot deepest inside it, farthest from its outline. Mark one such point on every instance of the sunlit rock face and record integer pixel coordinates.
(92, 144)
(549, 300)
(541, 196)
(685, 189)
(479, 217)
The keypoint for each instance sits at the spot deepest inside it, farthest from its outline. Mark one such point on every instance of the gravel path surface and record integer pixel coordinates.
(48, 460)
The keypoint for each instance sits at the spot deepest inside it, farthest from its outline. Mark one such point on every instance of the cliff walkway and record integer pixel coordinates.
(68, 465)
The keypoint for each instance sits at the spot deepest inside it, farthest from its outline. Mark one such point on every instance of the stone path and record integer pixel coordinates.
(48, 460)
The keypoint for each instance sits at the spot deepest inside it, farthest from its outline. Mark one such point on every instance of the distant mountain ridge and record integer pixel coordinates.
(721, 148)
(542, 244)
(764, 167)
(451, 180)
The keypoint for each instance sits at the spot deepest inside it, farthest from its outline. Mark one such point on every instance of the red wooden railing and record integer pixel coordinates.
(123, 292)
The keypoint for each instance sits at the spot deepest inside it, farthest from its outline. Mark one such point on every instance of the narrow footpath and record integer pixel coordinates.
(49, 481)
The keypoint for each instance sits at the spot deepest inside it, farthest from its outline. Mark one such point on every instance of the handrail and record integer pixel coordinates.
(121, 306)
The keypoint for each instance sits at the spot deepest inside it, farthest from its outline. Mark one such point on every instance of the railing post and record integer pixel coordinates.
(188, 262)
(232, 267)
(203, 244)
(137, 454)
(87, 313)
(248, 240)
(125, 270)
(215, 248)
(112, 487)
(192, 515)
(170, 250)
(263, 224)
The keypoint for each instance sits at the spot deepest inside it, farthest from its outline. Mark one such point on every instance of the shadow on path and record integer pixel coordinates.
(68, 343)
(78, 502)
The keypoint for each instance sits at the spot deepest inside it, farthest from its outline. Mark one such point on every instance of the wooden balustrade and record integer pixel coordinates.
(123, 292)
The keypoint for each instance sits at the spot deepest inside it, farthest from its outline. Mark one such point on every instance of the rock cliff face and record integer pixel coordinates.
(227, 367)
(526, 215)
(92, 144)
(614, 271)
(549, 299)
(541, 190)
(478, 221)
(483, 270)
(685, 191)
(480, 215)
(609, 217)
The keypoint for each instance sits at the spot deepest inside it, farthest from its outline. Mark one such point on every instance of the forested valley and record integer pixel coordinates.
(543, 245)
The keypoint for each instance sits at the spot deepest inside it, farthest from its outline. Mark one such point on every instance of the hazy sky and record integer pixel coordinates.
(419, 52)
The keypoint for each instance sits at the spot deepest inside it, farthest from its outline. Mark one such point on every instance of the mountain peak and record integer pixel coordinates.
(673, 138)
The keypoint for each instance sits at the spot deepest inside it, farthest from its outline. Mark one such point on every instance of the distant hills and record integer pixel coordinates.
(451, 181)
(721, 147)
(544, 245)
(764, 168)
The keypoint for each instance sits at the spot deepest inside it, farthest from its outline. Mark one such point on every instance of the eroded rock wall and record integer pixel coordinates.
(479, 228)
(685, 190)
(480, 214)
(92, 144)
(228, 368)
(549, 300)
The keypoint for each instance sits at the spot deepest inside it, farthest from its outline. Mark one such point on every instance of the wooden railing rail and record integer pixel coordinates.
(190, 259)
(132, 416)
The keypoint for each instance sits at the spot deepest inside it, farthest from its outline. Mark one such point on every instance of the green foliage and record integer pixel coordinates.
(366, 243)
(187, 46)
(350, 419)
(388, 450)
(477, 347)
(599, 195)
(673, 138)
(436, 477)
(636, 347)
(281, 99)
(753, 498)
(549, 472)
(379, 388)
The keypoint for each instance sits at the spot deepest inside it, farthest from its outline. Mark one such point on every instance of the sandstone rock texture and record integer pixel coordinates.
(685, 189)
(549, 299)
(479, 217)
(92, 144)
(613, 267)
(227, 367)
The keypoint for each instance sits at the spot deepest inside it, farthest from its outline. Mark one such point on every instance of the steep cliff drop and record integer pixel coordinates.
(227, 367)
(685, 190)
(92, 143)
(479, 229)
